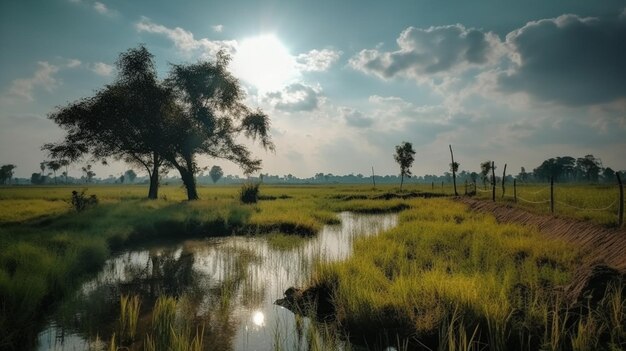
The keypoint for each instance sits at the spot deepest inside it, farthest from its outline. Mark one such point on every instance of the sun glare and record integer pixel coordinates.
(264, 62)
(258, 318)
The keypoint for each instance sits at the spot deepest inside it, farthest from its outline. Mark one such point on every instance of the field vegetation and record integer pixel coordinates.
(450, 279)
(596, 203)
(445, 276)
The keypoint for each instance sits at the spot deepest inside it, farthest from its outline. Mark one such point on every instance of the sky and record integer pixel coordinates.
(343, 82)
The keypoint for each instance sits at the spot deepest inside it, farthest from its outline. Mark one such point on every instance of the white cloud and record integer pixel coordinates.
(102, 69)
(429, 52)
(101, 8)
(218, 28)
(43, 78)
(317, 60)
(73, 63)
(184, 40)
(296, 97)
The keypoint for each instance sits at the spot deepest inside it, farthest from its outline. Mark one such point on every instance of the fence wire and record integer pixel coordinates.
(587, 209)
(532, 202)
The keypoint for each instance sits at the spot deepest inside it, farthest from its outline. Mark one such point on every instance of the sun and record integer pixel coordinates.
(264, 62)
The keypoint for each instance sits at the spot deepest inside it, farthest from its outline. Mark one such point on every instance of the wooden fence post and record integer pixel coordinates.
(373, 177)
(515, 190)
(620, 215)
(493, 181)
(503, 178)
(552, 195)
(452, 166)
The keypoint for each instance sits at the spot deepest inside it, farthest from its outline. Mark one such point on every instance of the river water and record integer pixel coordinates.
(229, 284)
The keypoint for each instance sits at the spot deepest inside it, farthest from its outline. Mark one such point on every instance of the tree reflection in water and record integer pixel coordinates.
(205, 296)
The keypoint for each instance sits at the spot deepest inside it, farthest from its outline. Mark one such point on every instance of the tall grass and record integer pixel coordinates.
(484, 283)
(129, 317)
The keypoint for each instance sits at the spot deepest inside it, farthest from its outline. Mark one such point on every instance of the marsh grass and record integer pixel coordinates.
(486, 284)
(129, 317)
(495, 273)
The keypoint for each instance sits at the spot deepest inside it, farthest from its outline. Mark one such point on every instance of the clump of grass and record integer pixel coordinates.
(129, 316)
(80, 201)
(171, 333)
(249, 193)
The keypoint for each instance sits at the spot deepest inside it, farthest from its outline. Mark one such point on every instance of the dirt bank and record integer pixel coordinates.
(603, 246)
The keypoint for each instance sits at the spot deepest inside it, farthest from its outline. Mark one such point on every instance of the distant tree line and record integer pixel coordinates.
(563, 169)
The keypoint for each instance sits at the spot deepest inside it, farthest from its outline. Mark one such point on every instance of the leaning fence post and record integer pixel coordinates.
(515, 190)
(551, 194)
(620, 215)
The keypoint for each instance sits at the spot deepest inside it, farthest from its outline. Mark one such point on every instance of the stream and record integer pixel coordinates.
(230, 283)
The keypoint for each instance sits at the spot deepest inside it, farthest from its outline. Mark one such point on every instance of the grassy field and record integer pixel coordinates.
(446, 275)
(48, 248)
(450, 279)
(596, 203)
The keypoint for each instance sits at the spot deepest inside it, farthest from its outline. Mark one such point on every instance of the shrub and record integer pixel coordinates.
(249, 193)
(81, 202)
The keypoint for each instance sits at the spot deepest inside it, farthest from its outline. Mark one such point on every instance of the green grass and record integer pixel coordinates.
(588, 202)
(455, 278)
(463, 259)
(48, 248)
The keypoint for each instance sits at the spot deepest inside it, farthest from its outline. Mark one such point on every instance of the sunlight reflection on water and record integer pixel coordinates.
(230, 281)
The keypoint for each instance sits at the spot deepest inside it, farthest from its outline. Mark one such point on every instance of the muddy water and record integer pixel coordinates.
(226, 284)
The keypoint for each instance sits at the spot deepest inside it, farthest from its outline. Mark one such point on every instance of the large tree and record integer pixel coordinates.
(404, 157)
(209, 118)
(124, 121)
(197, 110)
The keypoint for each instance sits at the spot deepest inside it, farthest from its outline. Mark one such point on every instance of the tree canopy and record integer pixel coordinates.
(197, 109)
(404, 157)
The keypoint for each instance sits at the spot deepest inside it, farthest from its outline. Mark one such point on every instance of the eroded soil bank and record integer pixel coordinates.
(602, 245)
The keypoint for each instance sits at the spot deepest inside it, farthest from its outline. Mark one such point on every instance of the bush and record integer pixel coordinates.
(249, 193)
(81, 202)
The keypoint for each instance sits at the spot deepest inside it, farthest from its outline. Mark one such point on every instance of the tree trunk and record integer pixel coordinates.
(190, 183)
(153, 192)
(401, 180)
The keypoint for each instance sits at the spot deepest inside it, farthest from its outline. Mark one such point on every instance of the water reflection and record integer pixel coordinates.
(228, 285)
(258, 318)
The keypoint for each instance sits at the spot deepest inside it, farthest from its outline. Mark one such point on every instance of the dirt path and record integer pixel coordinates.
(603, 245)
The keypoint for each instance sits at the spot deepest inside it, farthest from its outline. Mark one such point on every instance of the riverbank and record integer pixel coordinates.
(46, 256)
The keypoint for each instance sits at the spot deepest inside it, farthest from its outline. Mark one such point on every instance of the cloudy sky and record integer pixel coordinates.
(345, 81)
